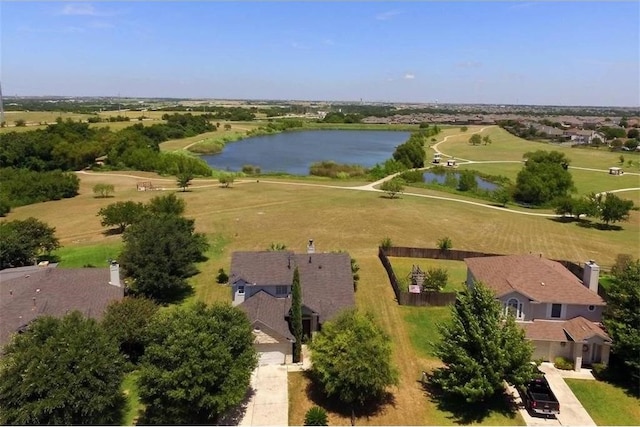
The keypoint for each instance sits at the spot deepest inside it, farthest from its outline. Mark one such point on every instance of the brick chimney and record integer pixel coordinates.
(591, 275)
(114, 274)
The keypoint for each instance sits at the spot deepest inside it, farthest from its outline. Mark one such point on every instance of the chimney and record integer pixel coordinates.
(311, 249)
(114, 274)
(591, 275)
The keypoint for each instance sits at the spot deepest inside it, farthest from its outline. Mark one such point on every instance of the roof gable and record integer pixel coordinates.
(269, 311)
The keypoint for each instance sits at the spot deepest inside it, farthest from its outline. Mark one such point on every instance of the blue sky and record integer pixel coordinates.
(561, 53)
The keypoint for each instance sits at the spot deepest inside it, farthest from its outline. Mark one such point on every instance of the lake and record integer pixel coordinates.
(294, 152)
(430, 177)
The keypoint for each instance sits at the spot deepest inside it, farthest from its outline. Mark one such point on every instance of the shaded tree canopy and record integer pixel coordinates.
(121, 214)
(22, 241)
(197, 365)
(352, 358)
(61, 371)
(543, 178)
(481, 348)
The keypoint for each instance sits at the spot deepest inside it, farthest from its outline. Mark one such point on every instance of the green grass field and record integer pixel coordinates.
(422, 324)
(457, 270)
(606, 403)
(77, 256)
(130, 389)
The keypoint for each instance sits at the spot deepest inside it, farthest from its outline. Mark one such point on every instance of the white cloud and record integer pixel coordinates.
(385, 16)
(83, 9)
(409, 76)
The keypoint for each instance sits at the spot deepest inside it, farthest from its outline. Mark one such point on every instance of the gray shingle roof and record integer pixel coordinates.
(56, 291)
(538, 278)
(270, 311)
(325, 278)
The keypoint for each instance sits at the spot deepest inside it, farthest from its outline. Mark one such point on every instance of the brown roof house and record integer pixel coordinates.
(261, 286)
(560, 314)
(29, 292)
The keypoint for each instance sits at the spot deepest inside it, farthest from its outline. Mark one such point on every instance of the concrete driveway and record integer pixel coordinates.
(571, 410)
(269, 404)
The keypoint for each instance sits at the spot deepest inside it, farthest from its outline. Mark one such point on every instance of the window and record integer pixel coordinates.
(592, 307)
(514, 308)
(556, 311)
(241, 289)
(282, 290)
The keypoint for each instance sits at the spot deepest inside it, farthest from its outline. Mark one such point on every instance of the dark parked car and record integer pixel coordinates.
(538, 397)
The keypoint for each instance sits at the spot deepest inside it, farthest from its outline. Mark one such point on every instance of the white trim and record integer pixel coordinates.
(519, 308)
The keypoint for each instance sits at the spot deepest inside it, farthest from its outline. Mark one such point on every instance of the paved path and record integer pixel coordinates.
(571, 410)
(269, 405)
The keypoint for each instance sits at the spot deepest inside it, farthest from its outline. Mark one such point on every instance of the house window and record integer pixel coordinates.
(592, 307)
(241, 290)
(514, 308)
(556, 311)
(282, 290)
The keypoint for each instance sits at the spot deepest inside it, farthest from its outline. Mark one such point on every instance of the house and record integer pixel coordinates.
(560, 314)
(29, 292)
(261, 286)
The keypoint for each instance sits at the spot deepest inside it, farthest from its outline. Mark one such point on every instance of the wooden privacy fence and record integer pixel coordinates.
(403, 297)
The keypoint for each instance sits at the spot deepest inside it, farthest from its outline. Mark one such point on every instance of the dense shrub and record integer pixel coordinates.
(563, 363)
(332, 169)
(22, 187)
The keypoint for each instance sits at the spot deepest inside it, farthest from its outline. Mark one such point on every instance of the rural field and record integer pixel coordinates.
(252, 214)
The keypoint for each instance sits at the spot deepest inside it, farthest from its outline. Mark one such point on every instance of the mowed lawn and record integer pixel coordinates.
(606, 403)
(506, 146)
(456, 270)
(251, 215)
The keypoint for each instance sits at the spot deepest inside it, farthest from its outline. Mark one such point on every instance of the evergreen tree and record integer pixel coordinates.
(296, 314)
(481, 348)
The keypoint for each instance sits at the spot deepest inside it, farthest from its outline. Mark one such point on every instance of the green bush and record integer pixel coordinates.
(222, 277)
(599, 370)
(386, 243)
(563, 363)
(316, 416)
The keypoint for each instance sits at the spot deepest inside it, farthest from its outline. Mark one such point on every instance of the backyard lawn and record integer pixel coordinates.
(606, 403)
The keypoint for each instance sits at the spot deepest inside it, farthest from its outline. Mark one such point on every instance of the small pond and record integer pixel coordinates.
(483, 184)
(295, 152)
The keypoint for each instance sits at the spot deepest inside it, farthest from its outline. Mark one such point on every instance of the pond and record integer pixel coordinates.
(294, 152)
(439, 178)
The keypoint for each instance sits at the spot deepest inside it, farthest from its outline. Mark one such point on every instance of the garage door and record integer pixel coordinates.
(272, 354)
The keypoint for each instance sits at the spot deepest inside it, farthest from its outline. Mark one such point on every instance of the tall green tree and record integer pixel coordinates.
(392, 187)
(296, 315)
(167, 204)
(545, 177)
(121, 214)
(159, 253)
(61, 372)
(198, 364)
(184, 180)
(622, 317)
(127, 322)
(22, 241)
(481, 348)
(615, 209)
(467, 181)
(475, 139)
(352, 359)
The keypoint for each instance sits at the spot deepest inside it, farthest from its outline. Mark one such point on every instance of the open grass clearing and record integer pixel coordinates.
(97, 255)
(457, 270)
(506, 146)
(606, 403)
(423, 331)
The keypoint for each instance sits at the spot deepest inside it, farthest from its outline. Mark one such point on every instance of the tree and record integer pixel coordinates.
(227, 126)
(197, 365)
(614, 209)
(502, 196)
(392, 187)
(545, 177)
(296, 315)
(222, 277)
(127, 321)
(226, 180)
(631, 144)
(622, 317)
(61, 371)
(103, 190)
(633, 133)
(487, 140)
(481, 348)
(20, 123)
(444, 244)
(316, 416)
(352, 359)
(159, 254)
(464, 129)
(23, 241)
(168, 204)
(184, 180)
(354, 273)
(121, 214)
(435, 279)
(565, 206)
(475, 139)
(467, 181)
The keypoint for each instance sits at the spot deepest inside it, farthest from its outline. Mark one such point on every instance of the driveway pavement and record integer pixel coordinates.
(571, 410)
(269, 404)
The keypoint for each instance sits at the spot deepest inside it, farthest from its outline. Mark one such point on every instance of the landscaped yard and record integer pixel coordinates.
(457, 270)
(606, 403)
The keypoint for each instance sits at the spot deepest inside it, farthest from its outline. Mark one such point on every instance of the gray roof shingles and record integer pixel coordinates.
(57, 292)
(325, 278)
(270, 311)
